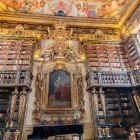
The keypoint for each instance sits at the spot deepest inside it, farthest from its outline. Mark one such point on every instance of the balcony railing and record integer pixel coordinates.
(113, 79)
(15, 78)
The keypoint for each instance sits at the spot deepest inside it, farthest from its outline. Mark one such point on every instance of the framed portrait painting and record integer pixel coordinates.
(59, 89)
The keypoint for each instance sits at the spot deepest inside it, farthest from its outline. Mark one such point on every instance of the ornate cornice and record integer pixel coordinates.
(47, 20)
(37, 32)
(18, 33)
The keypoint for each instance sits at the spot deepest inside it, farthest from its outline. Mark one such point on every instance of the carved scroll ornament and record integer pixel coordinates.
(59, 44)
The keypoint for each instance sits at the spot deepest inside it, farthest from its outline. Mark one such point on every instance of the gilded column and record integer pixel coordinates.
(22, 103)
(95, 110)
(103, 101)
(132, 78)
(12, 106)
(136, 99)
(95, 101)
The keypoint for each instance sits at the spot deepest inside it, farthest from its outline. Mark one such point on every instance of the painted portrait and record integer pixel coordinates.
(59, 94)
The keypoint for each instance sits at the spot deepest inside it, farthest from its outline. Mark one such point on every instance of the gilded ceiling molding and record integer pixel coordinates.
(128, 12)
(99, 36)
(131, 24)
(47, 20)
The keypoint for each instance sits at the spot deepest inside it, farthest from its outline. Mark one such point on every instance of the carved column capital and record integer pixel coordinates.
(15, 92)
(134, 92)
(94, 91)
(101, 91)
(23, 92)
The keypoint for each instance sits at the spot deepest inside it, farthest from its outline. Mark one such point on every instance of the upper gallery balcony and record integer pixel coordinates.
(112, 79)
(14, 78)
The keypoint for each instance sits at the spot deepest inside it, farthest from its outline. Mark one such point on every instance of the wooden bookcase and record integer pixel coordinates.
(120, 113)
(15, 63)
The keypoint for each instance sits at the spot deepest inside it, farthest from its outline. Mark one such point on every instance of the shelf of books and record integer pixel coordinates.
(4, 109)
(15, 55)
(103, 58)
(115, 113)
(132, 48)
(124, 58)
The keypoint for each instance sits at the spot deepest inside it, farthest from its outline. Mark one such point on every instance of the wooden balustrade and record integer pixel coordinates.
(15, 78)
(113, 79)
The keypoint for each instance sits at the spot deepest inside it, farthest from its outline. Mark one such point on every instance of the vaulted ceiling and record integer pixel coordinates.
(102, 13)
(108, 9)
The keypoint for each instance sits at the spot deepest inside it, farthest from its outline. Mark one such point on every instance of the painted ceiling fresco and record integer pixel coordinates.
(108, 9)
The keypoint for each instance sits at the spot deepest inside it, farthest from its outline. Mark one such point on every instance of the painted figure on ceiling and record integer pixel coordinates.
(102, 11)
(110, 9)
(60, 5)
(79, 10)
(46, 8)
(37, 7)
(63, 6)
(83, 9)
(86, 9)
(113, 8)
(25, 7)
(74, 11)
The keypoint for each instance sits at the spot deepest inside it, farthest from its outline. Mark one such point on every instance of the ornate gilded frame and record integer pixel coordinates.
(47, 91)
(42, 113)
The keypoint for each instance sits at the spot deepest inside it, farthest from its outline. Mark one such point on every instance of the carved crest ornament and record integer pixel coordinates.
(59, 81)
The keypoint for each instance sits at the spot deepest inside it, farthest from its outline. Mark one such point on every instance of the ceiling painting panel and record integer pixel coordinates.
(96, 9)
